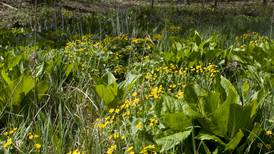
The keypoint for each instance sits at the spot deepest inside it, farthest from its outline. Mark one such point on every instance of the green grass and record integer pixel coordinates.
(159, 87)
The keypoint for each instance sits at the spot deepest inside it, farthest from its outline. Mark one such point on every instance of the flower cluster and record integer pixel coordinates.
(8, 135)
(156, 92)
(148, 149)
(33, 137)
(111, 149)
(75, 151)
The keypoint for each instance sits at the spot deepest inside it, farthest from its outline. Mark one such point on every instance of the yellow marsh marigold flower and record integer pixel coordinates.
(111, 110)
(130, 150)
(139, 125)
(6, 133)
(126, 114)
(7, 144)
(115, 136)
(148, 76)
(269, 133)
(37, 146)
(125, 105)
(156, 92)
(32, 136)
(111, 149)
(12, 131)
(136, 40)
(76, 151)
(212, 69)
(99, 123)
(134, 94)
(153, 122)
(148, 149)
(135, 101)
(117, 111)
(180, 94)
(172, 86)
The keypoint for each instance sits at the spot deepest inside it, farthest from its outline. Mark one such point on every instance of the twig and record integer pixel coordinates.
(7, 5)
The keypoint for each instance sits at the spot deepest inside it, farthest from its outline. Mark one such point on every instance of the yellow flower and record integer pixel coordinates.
(134, 94)
(130, 150)
(116, 135)
(7, 144)
(12, 131)
(111, 110)
(37, 146)
(31, 137)
(100, 124)
(172, 86)
(139, 125)
(135, 101)
(269, 133)
(148, 76)
(156, 92)
(149, 148)
(117, 111)
(6, 133)
(76, 151)
(136, 40)
(153, 122)
(180, 94)
(211, 69)
(111, 149)
(126, 114)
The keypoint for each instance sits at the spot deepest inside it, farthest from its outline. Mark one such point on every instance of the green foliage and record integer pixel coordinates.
(156, 93)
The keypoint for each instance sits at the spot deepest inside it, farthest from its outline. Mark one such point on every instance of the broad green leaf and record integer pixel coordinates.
(231, 93)
(240, 117)
(172, 105)
(107, 93)
(171, 141)
(6, 78)
(39, 70)
(21, 88)
(42, 88)
(213, 102)
(197, 38)
(129, 82)
(206, 149)
(199, 91)
(207, 136)
(234, 141)
(245, 89)
(69, 69)
(177, 121)
(218, 121)
(14, 61)
(109, 78)
(254, 134)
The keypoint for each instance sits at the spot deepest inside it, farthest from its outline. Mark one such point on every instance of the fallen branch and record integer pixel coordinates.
(7, 5)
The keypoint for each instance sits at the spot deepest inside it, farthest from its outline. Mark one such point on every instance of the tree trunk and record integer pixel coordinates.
(264, 2)
(152, 3)
(215, 3)
(203, 3)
